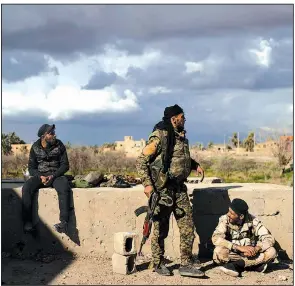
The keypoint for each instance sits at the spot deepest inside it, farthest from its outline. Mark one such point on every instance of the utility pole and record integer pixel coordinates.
(224, 144)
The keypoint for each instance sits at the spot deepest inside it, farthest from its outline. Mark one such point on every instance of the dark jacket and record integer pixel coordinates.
(53, 161)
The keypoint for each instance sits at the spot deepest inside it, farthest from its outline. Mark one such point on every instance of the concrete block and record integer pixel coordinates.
(123, 264)
(125, 243)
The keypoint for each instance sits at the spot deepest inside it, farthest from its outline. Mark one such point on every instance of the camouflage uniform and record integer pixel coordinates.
(180, 169)
(251, 233)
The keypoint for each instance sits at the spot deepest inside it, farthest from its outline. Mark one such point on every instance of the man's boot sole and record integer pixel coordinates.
(189, 274)
(163, 274)
(229, 272)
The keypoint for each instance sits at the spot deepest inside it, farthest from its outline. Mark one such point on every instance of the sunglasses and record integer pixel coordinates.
(51, 132)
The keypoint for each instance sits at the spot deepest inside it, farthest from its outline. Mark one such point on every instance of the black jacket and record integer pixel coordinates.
(45, 162)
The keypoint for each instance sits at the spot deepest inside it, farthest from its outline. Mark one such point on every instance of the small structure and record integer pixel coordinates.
(131, 147)
(269, 145)
(21, 149)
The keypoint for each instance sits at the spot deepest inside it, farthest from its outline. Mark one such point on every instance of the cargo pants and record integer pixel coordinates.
(182, 211)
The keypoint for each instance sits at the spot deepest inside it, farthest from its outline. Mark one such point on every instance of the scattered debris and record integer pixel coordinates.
(115, 181)
(94, 178)
(97, 179)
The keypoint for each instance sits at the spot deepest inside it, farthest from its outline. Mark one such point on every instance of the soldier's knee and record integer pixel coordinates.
(220, 255)
(270, 254)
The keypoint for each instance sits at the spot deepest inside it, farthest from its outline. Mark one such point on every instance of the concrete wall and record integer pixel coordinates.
(100, 212)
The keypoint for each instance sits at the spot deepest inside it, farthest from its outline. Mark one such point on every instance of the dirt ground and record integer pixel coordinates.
(98, 270)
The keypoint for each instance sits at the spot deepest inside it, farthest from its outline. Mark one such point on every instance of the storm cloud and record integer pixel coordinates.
(114, 68)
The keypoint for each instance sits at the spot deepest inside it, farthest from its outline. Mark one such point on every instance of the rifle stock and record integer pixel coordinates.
(148, 221)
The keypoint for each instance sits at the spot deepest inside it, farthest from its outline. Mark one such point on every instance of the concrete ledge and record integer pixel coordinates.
(101, 212)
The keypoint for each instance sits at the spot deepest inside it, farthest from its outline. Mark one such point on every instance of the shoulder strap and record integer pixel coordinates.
(165, 156)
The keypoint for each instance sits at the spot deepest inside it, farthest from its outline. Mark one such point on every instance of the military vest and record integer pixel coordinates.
(244, 235)
(180, 166)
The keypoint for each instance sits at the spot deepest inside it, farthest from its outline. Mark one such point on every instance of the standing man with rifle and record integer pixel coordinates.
(164, 166)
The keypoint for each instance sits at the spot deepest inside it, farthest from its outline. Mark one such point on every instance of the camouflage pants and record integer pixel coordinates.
(182, 211)
(223, 255)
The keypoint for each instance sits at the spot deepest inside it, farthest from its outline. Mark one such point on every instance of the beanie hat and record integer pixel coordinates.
(45, 128)
(239, 206)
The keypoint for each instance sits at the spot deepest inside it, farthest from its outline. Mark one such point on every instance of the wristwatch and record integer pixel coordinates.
(234, 248)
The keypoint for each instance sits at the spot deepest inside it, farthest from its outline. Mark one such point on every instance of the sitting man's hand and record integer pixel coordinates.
(48, 180)
(248, 251)
(43, 179)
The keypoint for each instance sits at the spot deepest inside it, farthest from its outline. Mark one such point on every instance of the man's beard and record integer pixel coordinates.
(180, 128)
(50, 143)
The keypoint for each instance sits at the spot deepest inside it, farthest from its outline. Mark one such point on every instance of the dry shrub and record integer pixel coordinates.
(13, 165)
(79, 159)
(225, 165)
(246, 166)
(270, 170)
(83, 159)
(283, 153)
(205, 162)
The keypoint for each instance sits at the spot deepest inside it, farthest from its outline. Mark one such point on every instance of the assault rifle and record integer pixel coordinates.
(148, 221)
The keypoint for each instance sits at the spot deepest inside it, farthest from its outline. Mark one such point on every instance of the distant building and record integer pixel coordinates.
(217, 147)
(267, 145)
(21, 149)
(270, 144)
(131, 147)
(289, 142)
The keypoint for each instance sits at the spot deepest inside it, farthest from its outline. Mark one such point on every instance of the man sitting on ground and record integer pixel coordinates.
(242, 241)
(48, 162)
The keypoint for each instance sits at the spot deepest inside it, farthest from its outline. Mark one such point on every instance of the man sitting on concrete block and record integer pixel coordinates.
(242, 241)
(48, 162)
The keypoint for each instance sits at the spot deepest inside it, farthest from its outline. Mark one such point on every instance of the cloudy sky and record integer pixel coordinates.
(100, 72)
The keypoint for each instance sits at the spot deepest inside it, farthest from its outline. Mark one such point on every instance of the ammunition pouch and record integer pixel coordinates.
(158, 177)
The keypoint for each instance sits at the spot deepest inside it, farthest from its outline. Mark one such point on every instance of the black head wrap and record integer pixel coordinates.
(166, 124)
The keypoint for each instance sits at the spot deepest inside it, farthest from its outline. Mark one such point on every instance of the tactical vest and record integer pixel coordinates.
(180, 166)
(244, 235)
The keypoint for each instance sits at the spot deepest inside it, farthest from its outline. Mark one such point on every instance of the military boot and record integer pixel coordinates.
(191, 270)
(162, 269)
(260, 268)
(234, 268)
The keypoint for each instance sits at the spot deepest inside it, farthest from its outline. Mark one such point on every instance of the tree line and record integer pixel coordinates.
(7, 140)
(247, 143)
